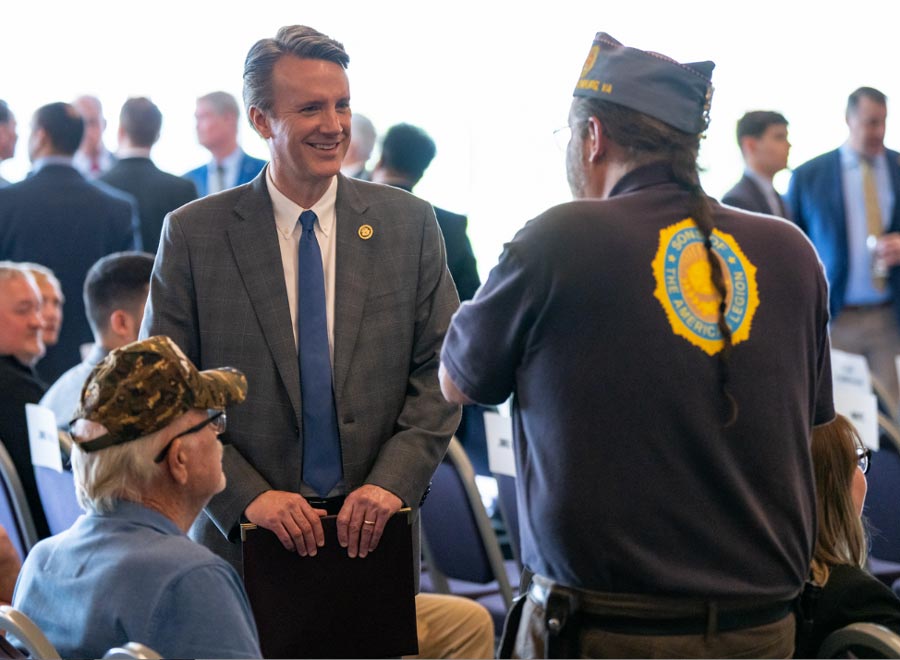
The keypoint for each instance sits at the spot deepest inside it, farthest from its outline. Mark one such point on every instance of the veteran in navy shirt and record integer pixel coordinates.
(667, 358)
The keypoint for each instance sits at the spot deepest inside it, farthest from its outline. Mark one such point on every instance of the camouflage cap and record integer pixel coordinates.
(142, 387)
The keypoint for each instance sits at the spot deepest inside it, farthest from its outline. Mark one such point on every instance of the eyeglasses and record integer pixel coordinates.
(863, 458)
(215, 417)
(561, 136)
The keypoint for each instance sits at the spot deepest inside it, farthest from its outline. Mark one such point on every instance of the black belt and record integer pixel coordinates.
(331, 504)
(703, 617)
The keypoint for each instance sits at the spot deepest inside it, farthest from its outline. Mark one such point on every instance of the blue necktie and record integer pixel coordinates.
(322, 467)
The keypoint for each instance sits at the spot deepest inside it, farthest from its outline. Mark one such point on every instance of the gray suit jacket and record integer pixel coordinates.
(218, 291)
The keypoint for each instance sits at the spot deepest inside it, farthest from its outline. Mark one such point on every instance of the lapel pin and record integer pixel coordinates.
(365, 232)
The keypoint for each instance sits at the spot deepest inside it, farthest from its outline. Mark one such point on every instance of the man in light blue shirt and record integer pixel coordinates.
(115, 291)
(846, 202)
(146, 460)
(217, 118)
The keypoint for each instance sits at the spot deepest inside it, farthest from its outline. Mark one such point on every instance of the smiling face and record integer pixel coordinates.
(308, 127)
(51, 308)
(20, 318)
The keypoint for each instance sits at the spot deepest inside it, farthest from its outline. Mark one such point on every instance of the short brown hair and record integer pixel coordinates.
(297, 40)
(141, 120)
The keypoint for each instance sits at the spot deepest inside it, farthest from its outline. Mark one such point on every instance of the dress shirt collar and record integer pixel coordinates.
(230, 162)
(96, 354)
(133, 152)
(41, 163)
(287, 212)
(851, 158)
(759, 179)
(135, 512)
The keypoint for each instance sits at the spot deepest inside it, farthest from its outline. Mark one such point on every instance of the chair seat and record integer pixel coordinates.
(886, 571)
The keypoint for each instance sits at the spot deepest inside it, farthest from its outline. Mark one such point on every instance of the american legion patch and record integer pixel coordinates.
(685, 290)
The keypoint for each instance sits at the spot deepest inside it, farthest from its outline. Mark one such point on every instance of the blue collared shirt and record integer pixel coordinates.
(64, 395)
(860, 289)
(232, 170)
(132, 575)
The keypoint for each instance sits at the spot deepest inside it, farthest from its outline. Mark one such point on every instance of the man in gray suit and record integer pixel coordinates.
(225, 288)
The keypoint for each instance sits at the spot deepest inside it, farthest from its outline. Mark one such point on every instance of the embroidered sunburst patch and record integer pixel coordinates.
(685, 290)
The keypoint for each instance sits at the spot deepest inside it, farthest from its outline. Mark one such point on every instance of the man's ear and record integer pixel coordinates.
(597, 140)
(176, 460)
(748, 145)
(260, 122)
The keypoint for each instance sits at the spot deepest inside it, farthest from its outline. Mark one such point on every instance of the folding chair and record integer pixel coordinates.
(498, 431)
(886, 403)
(861, 640)
(57, 493)
(26, 632)
(882, 507)
(461, 548)
(15, 516)
(50, 451)
(132, 650)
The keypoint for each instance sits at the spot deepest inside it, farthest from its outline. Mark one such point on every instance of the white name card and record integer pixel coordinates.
(850, 369)
(43, 437)
(861, 408)
(498, 430)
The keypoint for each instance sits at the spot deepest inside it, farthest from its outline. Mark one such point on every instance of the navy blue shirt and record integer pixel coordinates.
(600, 320)
(132, 576)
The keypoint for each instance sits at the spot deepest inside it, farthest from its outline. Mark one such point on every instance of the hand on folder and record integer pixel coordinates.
(363, 517)
(296, 524)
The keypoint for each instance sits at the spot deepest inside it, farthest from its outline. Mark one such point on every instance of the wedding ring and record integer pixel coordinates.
(368, 522)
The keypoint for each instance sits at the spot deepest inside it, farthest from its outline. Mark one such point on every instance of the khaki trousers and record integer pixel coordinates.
(453, 627)
(874, 333)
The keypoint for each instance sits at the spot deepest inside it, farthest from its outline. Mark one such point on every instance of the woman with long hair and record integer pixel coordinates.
(848, 592)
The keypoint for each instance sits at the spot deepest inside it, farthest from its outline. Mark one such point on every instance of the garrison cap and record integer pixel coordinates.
(142, 387)
(656, 85)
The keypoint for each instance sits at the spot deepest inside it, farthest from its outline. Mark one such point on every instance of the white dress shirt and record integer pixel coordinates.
(287, 221)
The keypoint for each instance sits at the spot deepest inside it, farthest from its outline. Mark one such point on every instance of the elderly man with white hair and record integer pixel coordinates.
(146, 459)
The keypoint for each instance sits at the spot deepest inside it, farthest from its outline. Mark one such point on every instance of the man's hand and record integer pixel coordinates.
(296, 524)
(363, 517)
(889, 249)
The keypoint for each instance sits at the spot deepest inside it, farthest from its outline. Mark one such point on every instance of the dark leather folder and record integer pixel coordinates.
(331, 606)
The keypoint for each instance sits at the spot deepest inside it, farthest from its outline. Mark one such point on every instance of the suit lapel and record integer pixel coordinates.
(254, 244)
(835, 196)
(759, 197)
(353, 265)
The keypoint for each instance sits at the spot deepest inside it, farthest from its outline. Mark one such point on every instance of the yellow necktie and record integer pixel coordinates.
(874, 223)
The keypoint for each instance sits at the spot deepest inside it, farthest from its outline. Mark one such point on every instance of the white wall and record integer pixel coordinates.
(489, 80)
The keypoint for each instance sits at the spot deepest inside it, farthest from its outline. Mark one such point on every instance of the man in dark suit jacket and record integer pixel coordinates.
(217, 117)
(406, 152)
(762, 136)
(156, 192)
(20, 338)
(857, 234)
(58, 219)
(224, 287)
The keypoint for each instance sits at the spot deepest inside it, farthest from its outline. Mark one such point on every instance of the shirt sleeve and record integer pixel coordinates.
(489, 336)
(204, 614)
